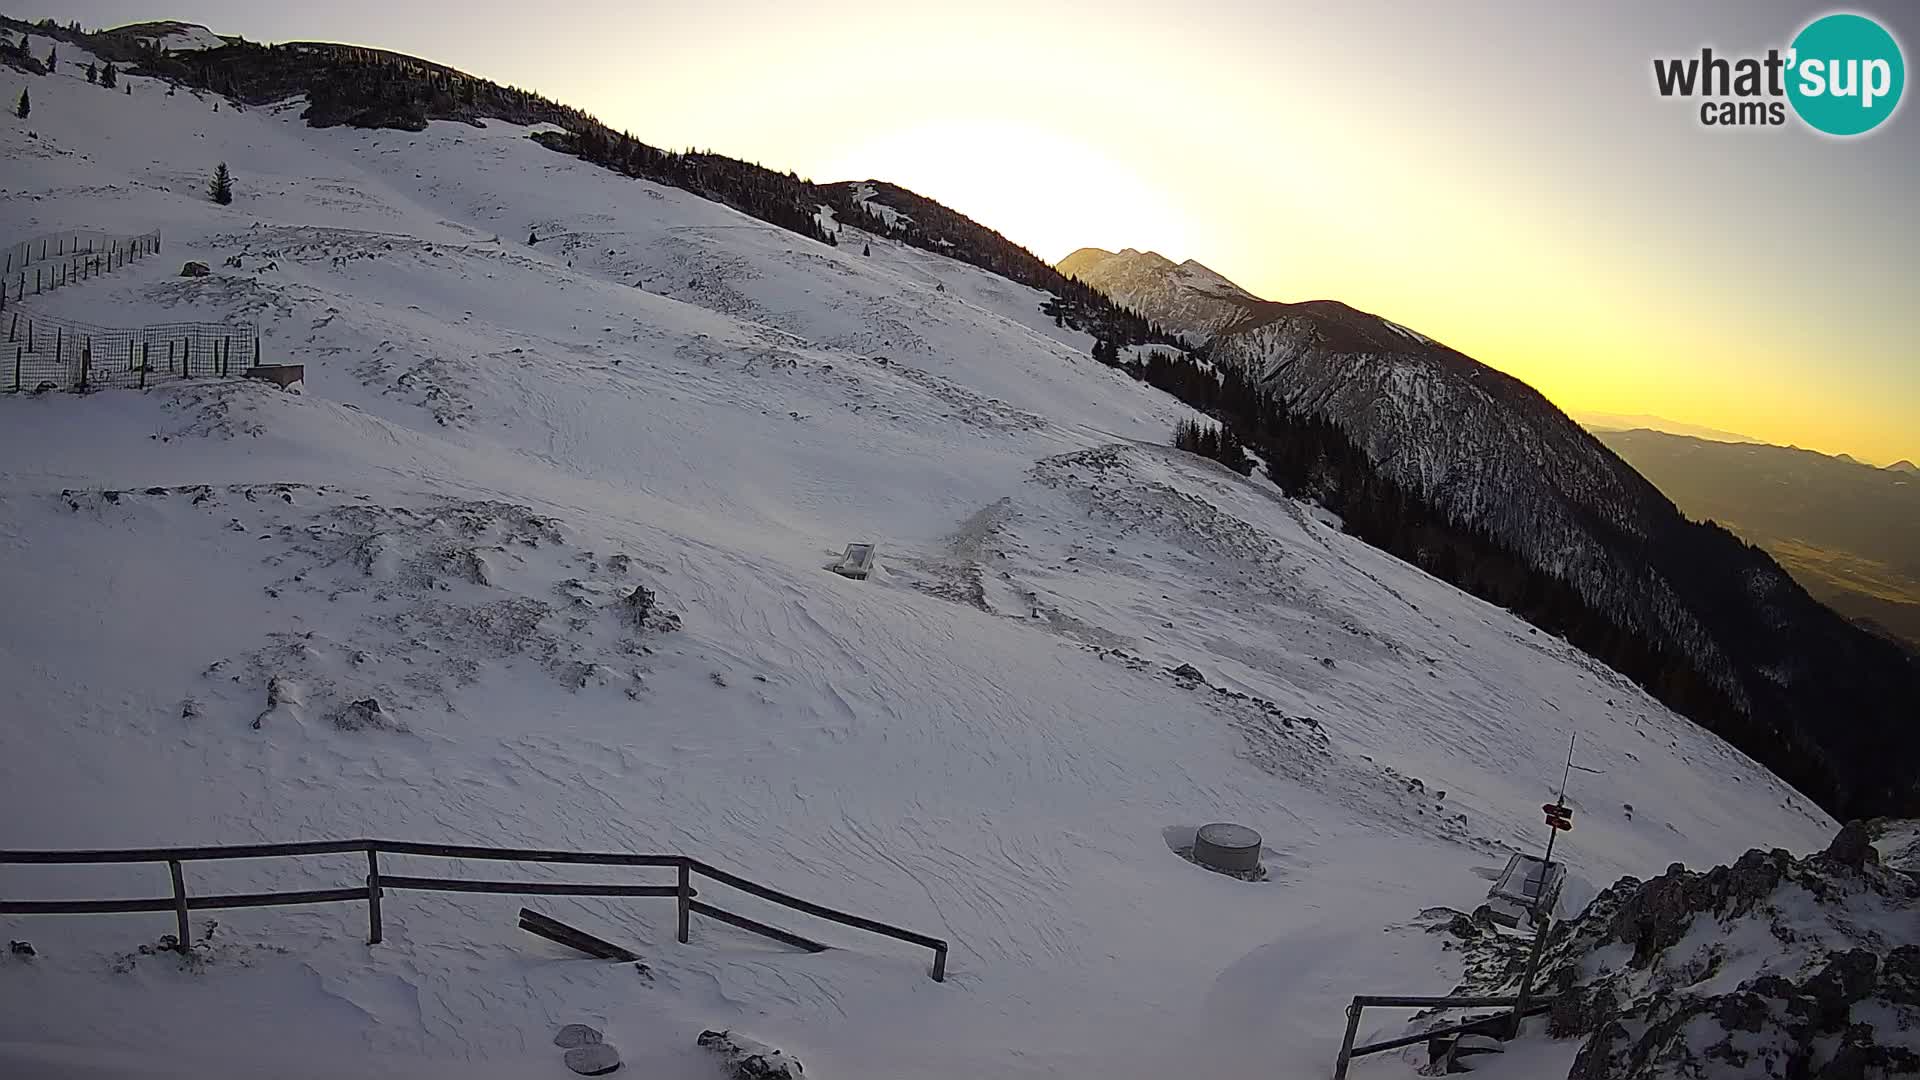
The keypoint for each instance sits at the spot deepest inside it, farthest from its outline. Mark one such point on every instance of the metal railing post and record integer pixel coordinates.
(940, 964)
(1346, 1044)
(685, 897)
(179, 902)
(373, 895)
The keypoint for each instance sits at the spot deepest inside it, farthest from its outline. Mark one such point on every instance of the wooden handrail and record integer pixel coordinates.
(522, 888)
(811, 908)
(377, 882)
(191, 854)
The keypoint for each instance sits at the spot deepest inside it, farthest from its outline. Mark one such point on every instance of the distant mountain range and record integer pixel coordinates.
(1605, 421)
(1849, 532)
(1489, 453)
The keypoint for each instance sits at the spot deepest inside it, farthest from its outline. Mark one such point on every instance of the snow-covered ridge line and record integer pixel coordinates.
(1076, 646)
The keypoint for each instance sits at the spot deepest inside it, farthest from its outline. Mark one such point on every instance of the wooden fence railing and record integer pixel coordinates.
(182, 901)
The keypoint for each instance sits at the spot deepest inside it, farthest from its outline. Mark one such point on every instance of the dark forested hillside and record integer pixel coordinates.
(1473, 475)
(1828, 706)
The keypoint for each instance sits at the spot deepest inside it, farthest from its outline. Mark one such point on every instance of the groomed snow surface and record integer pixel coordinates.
(496, 442)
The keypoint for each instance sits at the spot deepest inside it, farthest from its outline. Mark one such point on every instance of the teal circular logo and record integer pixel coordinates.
(1845, 74)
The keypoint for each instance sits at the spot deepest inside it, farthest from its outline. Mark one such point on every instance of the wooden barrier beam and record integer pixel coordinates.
(187, 854)
(277, 899)
(811, 908)
(522, 888)
(554, 930)
(757, 927)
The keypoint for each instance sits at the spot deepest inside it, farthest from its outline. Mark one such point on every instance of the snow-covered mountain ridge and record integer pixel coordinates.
(993, 739)
(1772, 667)
(1185, 297)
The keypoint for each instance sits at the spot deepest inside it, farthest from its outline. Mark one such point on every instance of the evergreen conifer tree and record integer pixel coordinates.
(221, 190)
(108, 76)
(866, 249)
(26, 105)
(93, 73)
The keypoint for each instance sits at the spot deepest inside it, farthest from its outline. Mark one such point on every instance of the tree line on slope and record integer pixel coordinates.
(1311, 456)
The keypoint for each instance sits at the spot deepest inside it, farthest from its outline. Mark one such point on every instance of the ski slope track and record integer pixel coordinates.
(497, 442)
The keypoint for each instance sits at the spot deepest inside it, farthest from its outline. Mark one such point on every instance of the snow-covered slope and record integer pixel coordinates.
(987, 740)
(1186, 298)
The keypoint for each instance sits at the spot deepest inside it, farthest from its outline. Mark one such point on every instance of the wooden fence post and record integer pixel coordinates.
(179, 902)
(373, 895)
(1533, 966)
(940, 964)
(144, 350)
(685, 896)
(16, 369)
(226, 357)
(86, 363)
(256, 347)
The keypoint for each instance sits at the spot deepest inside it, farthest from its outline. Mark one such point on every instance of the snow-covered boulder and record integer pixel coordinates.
(750, 1059)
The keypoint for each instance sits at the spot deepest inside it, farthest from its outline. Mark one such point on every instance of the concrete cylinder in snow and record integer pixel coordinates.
(1234, 848)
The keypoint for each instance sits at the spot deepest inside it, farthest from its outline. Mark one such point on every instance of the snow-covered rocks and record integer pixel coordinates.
(574, 1036)
(1769, 967)
(595, 1060)
(751, 1059)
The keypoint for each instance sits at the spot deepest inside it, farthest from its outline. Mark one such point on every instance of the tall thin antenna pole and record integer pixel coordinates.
(1552, 833)
(1569, 769)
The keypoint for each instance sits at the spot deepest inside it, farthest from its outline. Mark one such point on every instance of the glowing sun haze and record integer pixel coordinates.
(1501, 176)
